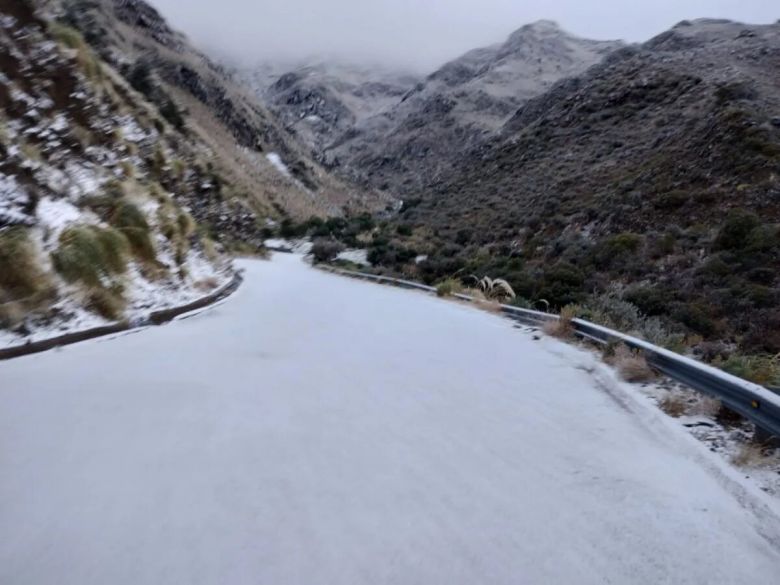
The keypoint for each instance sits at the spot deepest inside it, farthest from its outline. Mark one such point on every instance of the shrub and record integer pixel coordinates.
(695, 316)
(87, 254)
(404, 230)
(733, 234)
(448, 287)
(761, 369)
(562, 285)
(616, 249)
(650, 301)
(326, 250)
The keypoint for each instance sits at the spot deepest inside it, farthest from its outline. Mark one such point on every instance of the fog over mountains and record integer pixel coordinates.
(421, 36)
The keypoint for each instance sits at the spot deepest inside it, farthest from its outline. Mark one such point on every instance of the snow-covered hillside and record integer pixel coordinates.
(93, 223)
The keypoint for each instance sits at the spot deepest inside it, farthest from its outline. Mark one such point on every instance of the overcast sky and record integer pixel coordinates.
(423, 34)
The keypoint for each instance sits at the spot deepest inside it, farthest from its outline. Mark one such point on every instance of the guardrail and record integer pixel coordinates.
(759, 405)
(154, 318)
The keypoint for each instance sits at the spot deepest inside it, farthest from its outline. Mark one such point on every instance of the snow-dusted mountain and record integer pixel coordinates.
(397, 133)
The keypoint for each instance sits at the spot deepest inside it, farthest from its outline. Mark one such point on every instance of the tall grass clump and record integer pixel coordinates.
(177, 226)
(23, 283)
(72, 39)
(563, 327)
(448, 287)
(131, 222)
(21, 275)
(89, 255)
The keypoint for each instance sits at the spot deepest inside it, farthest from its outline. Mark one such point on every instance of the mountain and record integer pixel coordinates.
(416, 136)
(268, 165)
(655, 174)
(321, 101)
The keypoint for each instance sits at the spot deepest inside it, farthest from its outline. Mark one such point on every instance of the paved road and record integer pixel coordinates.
(319, 430)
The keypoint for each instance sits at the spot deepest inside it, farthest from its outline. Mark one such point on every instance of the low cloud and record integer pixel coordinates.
(421, 34)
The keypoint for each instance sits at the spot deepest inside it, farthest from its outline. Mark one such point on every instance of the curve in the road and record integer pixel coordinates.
(314, 429)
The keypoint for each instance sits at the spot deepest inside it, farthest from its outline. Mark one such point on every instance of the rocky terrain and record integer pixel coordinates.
(321, 101)
(651, 179)
(400, 133)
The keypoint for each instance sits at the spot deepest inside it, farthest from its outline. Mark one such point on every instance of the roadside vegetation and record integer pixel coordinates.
(24, 285)
(708, 292)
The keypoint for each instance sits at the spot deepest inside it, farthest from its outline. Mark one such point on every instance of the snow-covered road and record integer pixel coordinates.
(319, 430)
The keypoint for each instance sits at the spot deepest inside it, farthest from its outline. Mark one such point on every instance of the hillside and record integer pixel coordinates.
(97, 191)
(271, 171)
(654, 177)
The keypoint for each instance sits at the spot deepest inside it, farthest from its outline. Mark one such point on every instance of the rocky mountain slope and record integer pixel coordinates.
(321, 101)
(398, 138)
(271, 171)
(654, 175)
(97, 190)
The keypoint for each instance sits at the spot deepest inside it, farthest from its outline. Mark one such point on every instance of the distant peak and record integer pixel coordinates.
(540, 28)
(543, 26)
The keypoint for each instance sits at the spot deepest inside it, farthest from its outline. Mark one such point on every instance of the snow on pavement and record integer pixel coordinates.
(315, 429)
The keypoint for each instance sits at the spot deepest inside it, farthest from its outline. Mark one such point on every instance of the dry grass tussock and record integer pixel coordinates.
(562, 328)
(755, 455)
(674, 404)
(24, 285)
(705, 406)
(630, 364)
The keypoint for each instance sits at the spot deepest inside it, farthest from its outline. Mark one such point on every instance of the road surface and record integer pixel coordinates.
(319, 430)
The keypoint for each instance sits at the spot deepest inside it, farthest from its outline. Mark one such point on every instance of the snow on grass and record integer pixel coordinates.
(57, 214)
(278, 164)
(13, 200)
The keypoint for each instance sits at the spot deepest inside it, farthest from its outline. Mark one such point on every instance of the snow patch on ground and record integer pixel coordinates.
(57, 214)
(355, 256)
(13, 200)
(293, 246)
(278, 164)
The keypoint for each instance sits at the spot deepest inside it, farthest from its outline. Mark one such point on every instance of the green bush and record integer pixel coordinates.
(650, 301)
(734, 233)
(615, 250)
(562, 285)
